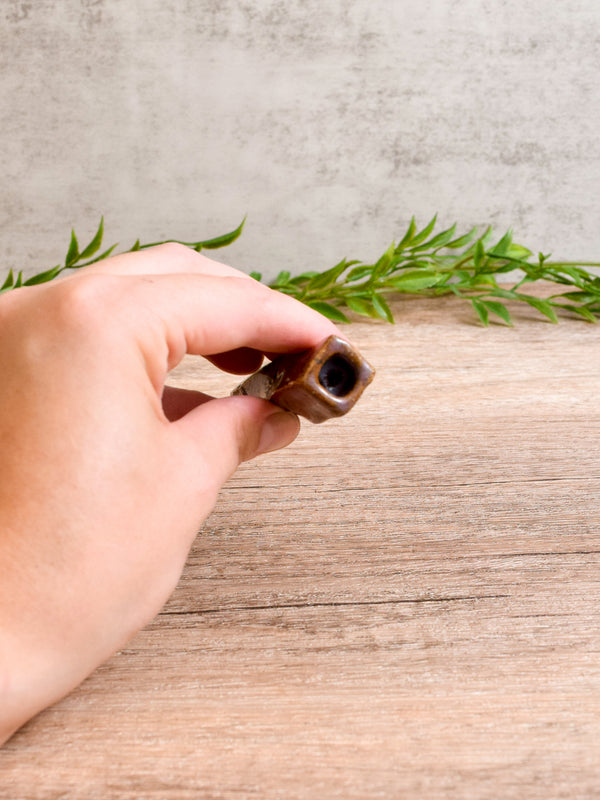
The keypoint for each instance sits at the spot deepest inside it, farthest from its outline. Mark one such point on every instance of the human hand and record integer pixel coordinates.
(106, 475)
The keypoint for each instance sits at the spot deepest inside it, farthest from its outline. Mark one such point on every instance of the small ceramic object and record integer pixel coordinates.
(320, 383)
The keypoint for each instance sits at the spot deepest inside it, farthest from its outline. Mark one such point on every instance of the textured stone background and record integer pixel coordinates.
(328, 122)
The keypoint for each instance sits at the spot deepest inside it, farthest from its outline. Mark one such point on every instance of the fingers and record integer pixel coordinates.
(164, 259)
(210, 315)
(193, 304)
(219, 307)
(178, 402)
(239, 362)
(230, 430)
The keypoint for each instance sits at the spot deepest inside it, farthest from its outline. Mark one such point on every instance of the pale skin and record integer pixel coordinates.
(106, 475)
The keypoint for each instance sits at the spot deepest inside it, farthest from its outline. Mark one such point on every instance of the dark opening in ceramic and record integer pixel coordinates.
(337, 376)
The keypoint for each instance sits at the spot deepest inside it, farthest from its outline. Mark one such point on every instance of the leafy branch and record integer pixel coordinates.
(435, 264)
(422, 263)
(76, 258)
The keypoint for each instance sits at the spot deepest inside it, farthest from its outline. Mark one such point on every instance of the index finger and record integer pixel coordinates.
(163, 259)
(207, 315)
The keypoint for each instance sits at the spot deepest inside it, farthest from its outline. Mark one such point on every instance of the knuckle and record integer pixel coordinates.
(81, 301)
(268, 305)
(173, 250)
(40, 322)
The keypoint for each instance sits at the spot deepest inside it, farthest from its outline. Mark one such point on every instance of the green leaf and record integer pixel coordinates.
(257, 276)
(10, 279)
(507, 294)
(282, 278)
(43, 277)
(481, 310)
(414, 281)
(484, 239)
(578, 297)
(498, 265)
(95, 260)
(441, 240)
(481, 280)
(501, 249)
(479, 255)
(543, 306)
(324, 279)
(304, 277)
(422, 236)
(582, 311)
(384, 263)
(464, 278)
(360, 306)
(575, 274)
(94, 245)
(19, 281)
(329, 311)
(408, 236)
(73, 251)
(499, 309)
(518, 252)
(221, 241)
(358, 273)
(382, 308)
(462, 240)
(135, 247)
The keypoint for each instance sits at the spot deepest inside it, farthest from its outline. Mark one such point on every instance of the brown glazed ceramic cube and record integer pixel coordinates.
(318, 384)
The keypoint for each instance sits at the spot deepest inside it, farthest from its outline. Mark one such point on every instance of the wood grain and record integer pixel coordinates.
(402, 604)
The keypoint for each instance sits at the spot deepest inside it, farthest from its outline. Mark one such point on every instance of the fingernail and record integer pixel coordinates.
(279, 430)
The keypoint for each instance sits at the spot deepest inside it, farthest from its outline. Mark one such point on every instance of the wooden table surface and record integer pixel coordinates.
(404, 604)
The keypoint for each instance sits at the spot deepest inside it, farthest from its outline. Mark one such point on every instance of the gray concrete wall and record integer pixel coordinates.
(329, 123)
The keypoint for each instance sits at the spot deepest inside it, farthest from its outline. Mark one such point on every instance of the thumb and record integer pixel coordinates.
(230, 430)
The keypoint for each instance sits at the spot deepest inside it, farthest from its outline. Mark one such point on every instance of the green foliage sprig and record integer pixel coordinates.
(422, 263)
(77, 258)
(434, 264)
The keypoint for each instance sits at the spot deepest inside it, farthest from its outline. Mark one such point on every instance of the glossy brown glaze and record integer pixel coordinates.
(323, 382)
